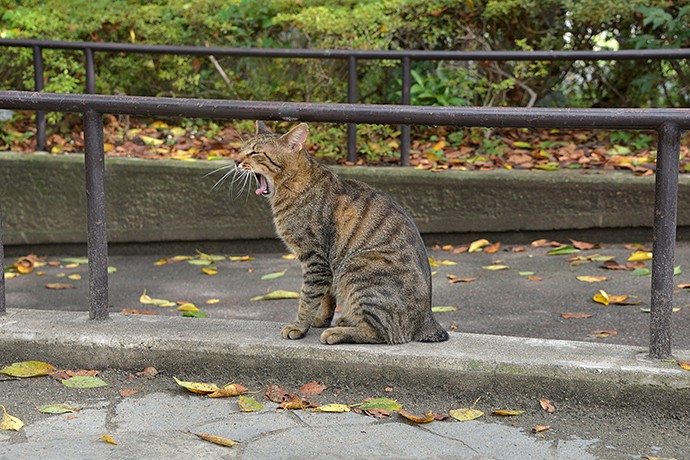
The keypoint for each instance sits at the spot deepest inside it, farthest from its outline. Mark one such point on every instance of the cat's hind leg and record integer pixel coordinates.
(325, 315)
(360, 333)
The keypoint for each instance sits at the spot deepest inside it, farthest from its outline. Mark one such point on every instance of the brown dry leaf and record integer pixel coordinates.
(216, 439)
(544, 243)
(540, 428)
(583, 246)
(454, 279)
(613, 265)
(547, 406)
(296, 403)
(148, 372)
(277, 394)
(426, 418)
(576, 315)
(131, 311)
(83, 372)
(128, 392)
(376, 413)
(312, 388)
(233, 389)
(534, 278)
(492, 248)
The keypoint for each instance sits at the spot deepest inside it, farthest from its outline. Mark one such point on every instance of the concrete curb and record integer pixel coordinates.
(157, 201)
(468, 364)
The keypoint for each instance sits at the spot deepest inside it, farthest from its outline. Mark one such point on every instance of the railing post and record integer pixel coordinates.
(3, 308)
(97, 237)
(38, 85)
(664, 238)
(406, 100)
(352, 97)
(90, 71)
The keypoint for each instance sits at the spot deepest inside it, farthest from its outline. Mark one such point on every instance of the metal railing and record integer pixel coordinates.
(669, 123)
(405, 57)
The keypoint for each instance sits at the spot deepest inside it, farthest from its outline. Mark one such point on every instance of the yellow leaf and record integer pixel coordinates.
(145, 299)
(187, 306)
(159, 125)
(476, 246)
(507, 413)
(638, 256)
(447, 262)
(11, 275)
(464, 415)
(602, 297)
(109, 439)
(234, 389)
(196, 387)
(684, 364)
(217, 439)
(151, 140)
(592, 279)
(75, 276)
(9, 422)
(71, 265)
(289, 256)
(27, 369)
(279, 294)
(496, 267)
(209, 270)
(339, 408)
(439, 145)
(426, 418)
(241, 258)
(212, 301)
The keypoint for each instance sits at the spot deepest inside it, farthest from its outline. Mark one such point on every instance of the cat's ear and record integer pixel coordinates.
(261, 128)
(296, 137)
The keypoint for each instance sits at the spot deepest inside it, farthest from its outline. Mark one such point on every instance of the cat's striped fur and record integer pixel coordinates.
(355, 244)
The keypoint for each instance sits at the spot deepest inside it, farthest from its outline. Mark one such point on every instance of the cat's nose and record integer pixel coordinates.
(237, 162)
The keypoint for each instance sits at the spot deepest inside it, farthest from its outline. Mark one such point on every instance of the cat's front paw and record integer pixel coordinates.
(293, 332)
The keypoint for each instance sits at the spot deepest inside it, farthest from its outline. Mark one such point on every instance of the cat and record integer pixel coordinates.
(354, 243)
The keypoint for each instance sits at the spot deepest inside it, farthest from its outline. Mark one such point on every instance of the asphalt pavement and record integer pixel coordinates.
(510, 347)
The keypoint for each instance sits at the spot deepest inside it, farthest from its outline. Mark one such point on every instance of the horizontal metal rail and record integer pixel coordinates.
(667, 122)
(352, 56)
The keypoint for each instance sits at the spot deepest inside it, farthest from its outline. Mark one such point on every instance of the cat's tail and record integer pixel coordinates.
(431, 331)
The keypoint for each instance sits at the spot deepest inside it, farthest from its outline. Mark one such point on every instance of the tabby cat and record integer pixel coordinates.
(354, 243)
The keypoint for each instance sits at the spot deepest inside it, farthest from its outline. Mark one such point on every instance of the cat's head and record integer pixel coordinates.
(267, 155)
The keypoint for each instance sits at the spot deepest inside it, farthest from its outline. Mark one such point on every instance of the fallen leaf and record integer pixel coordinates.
(212, 301)
(602, 334)
(507, 413)
(454, 279)
(200, 262)
(196, 387)
(583, 245)
(28, 369)
(465, 415)
(476, 246)
(216, 439)
(289, 256)
(602, 297)
(379, 403)
(211, 257)
(75, 260)
(194, 314)
(576, 315)
(75, 276)
(231, 390)
(127, 392)
(540, 428)
(562, 250)
(426, 418)
(334, 408)
(131, 311)
(492, 248)
(59, 286)
(495, 267)
(639, 256)
(443, 309)
(684, 364)
(209, 271)
(241, 258)
(525, 273)
(296, 403)
(544, 243)
(547, 406)
(277, 394)
(84, 381)
(272, 276)
(109, 439)
(592, 279)
(275, 295)
(187, 306)
(58, 409)
(642, 271)
(312, 388)
(148, 372)
(249, 404)
(535, 278)
(9, 422)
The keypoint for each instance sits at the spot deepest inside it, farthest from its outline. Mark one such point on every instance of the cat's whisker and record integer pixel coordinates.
(222, 179)
(228, 166)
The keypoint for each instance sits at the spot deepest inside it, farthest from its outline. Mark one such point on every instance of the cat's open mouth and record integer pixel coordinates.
(264, 188)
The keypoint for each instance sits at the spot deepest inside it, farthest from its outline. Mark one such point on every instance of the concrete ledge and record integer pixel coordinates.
(468, 364)
(43, 201)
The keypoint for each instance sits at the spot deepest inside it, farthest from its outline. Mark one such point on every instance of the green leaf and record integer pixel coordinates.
(58, 409)
(84, 381)
(272, 276)
(676, 270)
(75, 260)
(522, 145)
(249, 404)
(443, 309)
(465, 415)
(380, 403)
(641, 272)
(27, 369)
(194, 314)
(112, 269)
(200, 262)
(211, 257)
(275, 295)
(563, 250)
(525, 273)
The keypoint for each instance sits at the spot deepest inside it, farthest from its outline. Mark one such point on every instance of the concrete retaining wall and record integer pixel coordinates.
(43, 200)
